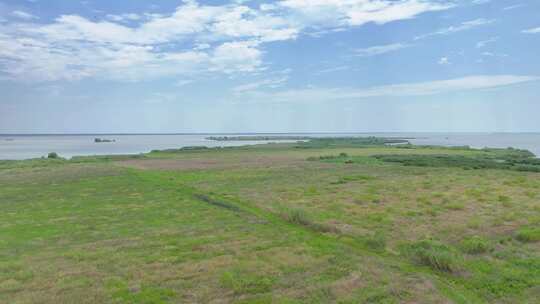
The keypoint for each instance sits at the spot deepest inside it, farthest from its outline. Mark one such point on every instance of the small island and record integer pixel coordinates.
(103, 140)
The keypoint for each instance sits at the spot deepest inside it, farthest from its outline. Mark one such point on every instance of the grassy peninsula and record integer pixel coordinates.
(319, 221)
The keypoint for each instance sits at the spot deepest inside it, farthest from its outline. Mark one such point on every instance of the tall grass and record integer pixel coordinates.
(435, 255)
(475, 245)
(299, 217)
(528, 234)
(376, 242)
(506, 161)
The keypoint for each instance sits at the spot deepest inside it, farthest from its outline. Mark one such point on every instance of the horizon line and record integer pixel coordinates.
(264, 133)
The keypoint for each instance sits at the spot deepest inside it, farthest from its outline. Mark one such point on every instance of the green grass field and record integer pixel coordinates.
(339, 222)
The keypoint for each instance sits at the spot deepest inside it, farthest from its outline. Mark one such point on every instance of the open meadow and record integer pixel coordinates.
(323, 221)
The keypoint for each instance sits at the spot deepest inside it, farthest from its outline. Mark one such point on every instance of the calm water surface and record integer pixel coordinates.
(32, 146)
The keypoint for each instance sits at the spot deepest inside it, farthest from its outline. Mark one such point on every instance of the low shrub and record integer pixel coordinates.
(53, 155)
(376, 242)
(348, 142)
(504, 199)
(246, 283)
(328, 157)
(353, 178)
(455, 206)
(435, 255)
(475, 245)
(503, 162)
(299, 217)
(528, 234)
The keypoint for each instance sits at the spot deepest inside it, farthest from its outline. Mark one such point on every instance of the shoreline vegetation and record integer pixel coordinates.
(389, 140)
(318, 220)
(257, 138)
(489, 158)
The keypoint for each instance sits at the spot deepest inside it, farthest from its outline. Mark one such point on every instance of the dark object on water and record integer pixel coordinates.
(9, 139)
(103, 140)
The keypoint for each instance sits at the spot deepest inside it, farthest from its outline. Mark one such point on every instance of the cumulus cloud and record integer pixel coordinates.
(193, 39)
(358, 12)
(235, 56)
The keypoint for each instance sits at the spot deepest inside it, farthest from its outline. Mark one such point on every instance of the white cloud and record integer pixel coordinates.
(202, 46)
(467, 25)
(483, 43)
(157, 98)
(73, 47)
(241, 56)
(358, 12)
(183, 82)
(124, 17)
(332, 69)
(267, 7)
(380, 49)
(193, 39)
(535, 30)
(244, 22)
(23, 15)
(314, 94)
(443, 61)
(268, 83)
(511, 7)
(490, 54)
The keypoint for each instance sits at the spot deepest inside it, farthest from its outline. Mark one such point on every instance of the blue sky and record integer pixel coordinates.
(269, 66)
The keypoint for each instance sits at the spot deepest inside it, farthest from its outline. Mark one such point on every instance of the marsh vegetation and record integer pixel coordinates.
(325, 221)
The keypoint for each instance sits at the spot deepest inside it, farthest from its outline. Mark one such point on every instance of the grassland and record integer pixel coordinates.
(314, 222)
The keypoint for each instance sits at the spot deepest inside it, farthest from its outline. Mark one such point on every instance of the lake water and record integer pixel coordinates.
(32, 146)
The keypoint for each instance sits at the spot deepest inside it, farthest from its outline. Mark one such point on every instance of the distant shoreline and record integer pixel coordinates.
(27, 146)
(256, 133)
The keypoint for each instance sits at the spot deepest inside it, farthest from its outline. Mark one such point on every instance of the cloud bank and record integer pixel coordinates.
(132, 47)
